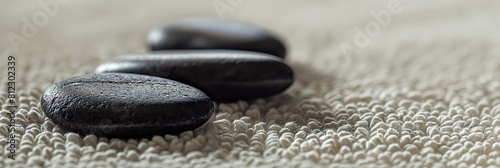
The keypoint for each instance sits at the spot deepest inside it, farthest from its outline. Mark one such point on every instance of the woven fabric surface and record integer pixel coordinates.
(378, 84)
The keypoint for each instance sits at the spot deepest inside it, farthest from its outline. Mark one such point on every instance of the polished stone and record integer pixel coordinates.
(213, 33)
(125, 105)
(224, 75)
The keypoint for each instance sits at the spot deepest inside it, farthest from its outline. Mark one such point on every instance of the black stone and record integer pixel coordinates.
(224, 75)
(211, 33)
(119, 105)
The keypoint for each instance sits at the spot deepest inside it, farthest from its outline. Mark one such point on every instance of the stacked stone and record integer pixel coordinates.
(194, 64)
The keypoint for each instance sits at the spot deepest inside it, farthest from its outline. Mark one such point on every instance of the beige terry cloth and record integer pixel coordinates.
(418, 89)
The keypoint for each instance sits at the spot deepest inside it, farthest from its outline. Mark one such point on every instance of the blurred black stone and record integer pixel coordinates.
(211, 33)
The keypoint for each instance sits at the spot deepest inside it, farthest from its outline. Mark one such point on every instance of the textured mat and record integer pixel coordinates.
(420, 88)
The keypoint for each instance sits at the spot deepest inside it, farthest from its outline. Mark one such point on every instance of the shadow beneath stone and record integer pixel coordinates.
(309, 104)
(305, 73)
(307, 80)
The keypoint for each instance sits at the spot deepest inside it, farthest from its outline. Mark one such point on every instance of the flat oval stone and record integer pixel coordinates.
(224, 75)
(212, 33)
(119, 105)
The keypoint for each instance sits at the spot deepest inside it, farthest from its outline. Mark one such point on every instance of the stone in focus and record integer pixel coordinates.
(212, 33)
(118, 105)
(224, 75)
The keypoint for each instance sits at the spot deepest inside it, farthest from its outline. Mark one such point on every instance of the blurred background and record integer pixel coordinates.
(93, 31)
(307, 27)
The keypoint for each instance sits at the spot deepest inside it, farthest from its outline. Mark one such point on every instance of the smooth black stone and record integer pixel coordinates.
(119, 105)
(212, 33)
(224, 75)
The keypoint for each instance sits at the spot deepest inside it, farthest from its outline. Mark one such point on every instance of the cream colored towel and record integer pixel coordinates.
(378, 84)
